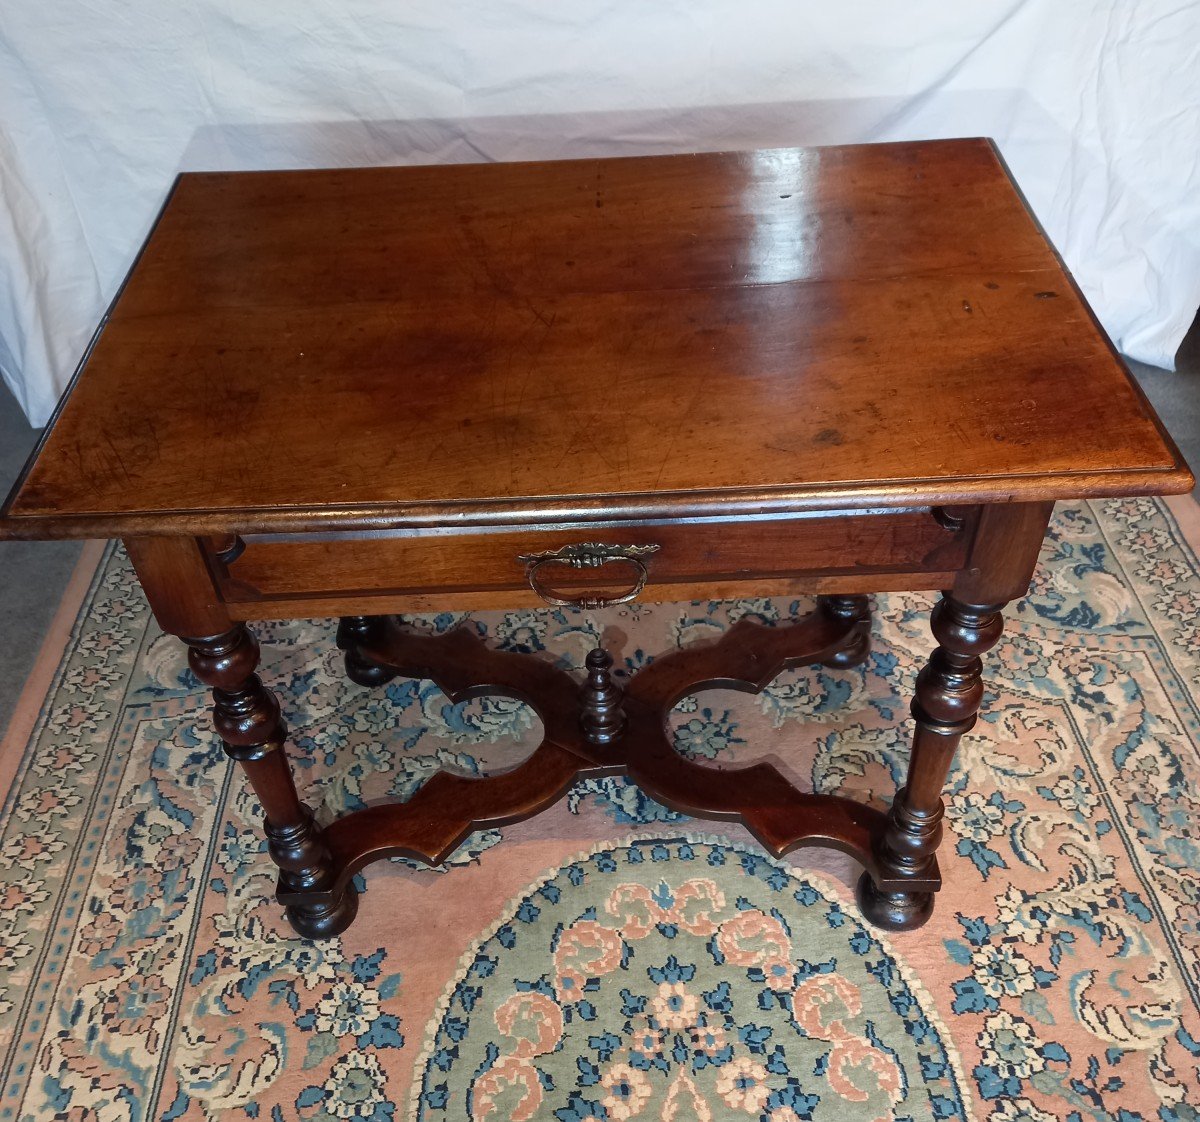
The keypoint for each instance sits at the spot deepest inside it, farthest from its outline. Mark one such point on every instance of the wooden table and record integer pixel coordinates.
(368, 392)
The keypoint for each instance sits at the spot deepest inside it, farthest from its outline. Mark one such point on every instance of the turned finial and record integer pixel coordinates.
(602, 719)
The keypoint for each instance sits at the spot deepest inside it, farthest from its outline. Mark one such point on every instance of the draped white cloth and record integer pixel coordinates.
(1096, 106)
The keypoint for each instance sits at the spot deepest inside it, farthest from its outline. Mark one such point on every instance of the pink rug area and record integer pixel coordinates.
(611, 959)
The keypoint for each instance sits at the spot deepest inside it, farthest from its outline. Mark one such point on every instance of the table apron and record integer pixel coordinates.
(911, 549)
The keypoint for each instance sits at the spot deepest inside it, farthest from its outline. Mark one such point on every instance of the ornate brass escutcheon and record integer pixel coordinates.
(587, 555)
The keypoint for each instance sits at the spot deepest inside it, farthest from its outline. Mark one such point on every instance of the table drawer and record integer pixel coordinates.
(714, 554)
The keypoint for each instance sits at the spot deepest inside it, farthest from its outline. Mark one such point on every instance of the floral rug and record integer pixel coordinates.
(611, 960)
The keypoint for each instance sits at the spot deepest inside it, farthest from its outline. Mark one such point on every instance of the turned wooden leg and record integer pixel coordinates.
(949, 690)
(246, 716)
(351, 633)
(858, 645)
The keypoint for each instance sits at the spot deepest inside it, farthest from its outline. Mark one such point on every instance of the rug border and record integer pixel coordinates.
(1185, 509)
(38, 684)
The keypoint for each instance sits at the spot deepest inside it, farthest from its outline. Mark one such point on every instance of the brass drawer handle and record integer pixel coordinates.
(587, 555)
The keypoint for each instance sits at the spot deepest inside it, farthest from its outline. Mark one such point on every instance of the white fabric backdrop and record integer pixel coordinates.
(1096, 106)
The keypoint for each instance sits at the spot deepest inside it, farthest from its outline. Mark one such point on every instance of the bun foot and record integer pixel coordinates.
(856, 611)
(853, 654)
(893, 911)
(363, 672)
(352, 632)
(324, 921)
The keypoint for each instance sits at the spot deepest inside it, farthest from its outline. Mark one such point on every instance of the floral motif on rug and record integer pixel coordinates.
(147, 973)
(672, 979)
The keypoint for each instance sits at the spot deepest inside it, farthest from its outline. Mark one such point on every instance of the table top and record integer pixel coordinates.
(713, 334)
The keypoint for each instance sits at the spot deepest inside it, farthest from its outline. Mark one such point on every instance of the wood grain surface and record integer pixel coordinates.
(780, 330)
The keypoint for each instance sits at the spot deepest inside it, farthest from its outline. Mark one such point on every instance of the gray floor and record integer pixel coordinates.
(34, 574)
(1176, 396)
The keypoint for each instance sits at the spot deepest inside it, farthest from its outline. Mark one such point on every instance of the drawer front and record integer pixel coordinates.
(688, 554)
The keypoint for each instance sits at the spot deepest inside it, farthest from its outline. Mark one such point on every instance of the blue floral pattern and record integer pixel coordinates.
(669, 978)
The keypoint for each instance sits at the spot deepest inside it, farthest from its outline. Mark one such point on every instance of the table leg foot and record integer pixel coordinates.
(352, 633)
(893, 911)
(324, 921)
(855, 610)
